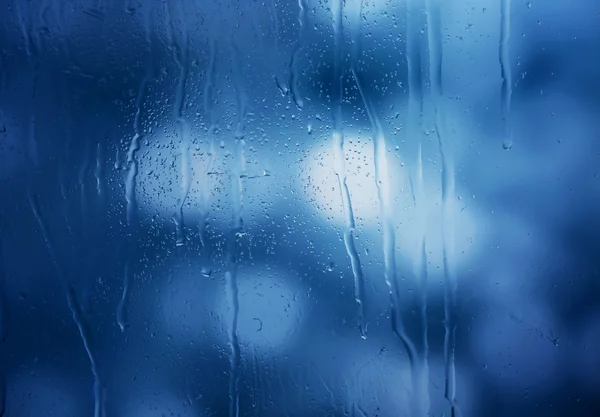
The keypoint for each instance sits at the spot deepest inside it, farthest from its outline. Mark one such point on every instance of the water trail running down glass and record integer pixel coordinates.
(414, 133)
(181, 57)
(83, 168)
(32, 145)
(505, 72)
(99, 170)
(65, 200)
(72, 302)
(131, 179)
(22, 15)
(209, 100)
(85, 234)
(340, 168)
(134, 147)
(296, 52)
(236, 228)
(434, 35)
(283, 89)
(130, 187)
(419, 367)
(32, 157)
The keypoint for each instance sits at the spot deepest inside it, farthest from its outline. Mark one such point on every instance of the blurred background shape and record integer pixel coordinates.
(299, 208)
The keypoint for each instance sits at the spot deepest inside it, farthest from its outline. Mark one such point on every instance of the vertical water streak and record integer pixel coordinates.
(103, 401)
(295, 54)
(283, 89)
(25, 29)
(505, 72)
(382, 181)
(181, 57)
(236, 227)
(65, 200)
(255, 383)
(99, 169)
(117, 164)
(209, 99)
(132, 162)
(131, 178)
(61, 29)
(170, 28)
(414, 132)
(121, 306)
(148, 32)
(414, 126)
(83, 168)
(63, 173)
(130, 190)
(42, 13)
(233, 300)
(72, 302)
(84, 222)
(340, 169)
(434, 35)
(32, 146)
(32, 156)
(32, 51)
(421, 262)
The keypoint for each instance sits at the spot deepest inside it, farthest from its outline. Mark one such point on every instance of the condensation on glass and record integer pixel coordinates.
(299, 208)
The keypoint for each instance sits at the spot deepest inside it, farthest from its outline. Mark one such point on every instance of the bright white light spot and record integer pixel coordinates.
(320, 186)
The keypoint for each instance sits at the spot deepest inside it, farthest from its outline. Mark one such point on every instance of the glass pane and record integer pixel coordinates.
(299, 208)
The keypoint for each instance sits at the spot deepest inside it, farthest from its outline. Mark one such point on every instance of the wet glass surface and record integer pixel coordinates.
(299, 208)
